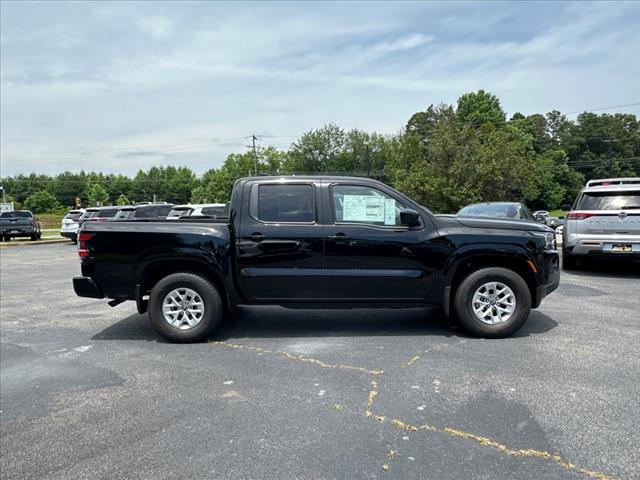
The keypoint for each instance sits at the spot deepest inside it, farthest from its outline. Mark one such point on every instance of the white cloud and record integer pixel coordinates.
(126, 85)
(155, 26)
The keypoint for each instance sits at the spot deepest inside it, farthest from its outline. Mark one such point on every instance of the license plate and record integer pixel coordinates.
(621, 248)
(14, 231)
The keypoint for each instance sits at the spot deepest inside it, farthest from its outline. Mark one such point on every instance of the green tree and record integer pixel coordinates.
(98, 195)
(122, 200)
(41, 201)
(476, 109)
(316, 150)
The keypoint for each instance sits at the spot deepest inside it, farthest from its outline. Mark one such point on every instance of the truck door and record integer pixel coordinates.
(369, 255)
(280, 242)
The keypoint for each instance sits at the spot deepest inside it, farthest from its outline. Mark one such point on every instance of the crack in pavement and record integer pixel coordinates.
(409, 427)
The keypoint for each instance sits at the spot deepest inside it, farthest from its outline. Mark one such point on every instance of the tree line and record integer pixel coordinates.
(445, 157)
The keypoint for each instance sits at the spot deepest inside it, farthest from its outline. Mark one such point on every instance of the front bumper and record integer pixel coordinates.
(550, 273)
(86, 287)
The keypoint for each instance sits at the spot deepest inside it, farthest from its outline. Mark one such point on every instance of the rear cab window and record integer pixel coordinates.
(213, 211)
(72, 216)
(286, 203)
(107, 213)
(16, 215)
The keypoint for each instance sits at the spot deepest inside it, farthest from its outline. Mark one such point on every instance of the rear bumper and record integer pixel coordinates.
(550, 276)
(18, 232)
(72, 235)
(86, 287)
(599, 244)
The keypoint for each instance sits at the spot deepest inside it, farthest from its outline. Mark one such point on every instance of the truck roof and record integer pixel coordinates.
(295, 178)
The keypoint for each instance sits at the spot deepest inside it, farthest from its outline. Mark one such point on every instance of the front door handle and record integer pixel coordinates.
(256, 237)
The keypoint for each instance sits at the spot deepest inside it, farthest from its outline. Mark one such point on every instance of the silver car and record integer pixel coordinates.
(604, 222)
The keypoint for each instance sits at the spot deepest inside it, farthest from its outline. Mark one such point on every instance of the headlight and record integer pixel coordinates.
(549, 237)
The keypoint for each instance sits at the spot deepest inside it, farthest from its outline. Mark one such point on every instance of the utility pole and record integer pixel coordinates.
(608, 142)
(367, 161)
(255, 157)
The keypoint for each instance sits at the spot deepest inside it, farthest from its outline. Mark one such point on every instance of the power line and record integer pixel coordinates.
(603, 108)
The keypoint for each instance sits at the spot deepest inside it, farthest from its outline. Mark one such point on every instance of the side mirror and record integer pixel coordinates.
(409, 218)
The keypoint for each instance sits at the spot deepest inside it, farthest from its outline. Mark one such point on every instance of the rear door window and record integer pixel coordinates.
(283, 203)
(609, 201)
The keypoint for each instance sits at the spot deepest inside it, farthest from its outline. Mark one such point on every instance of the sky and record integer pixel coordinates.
(122, 86)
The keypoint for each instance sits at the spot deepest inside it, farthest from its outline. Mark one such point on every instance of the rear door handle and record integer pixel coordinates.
(339, 237)
(256, 237)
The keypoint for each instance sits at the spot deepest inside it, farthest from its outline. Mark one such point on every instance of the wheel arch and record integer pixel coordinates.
(154, 271)
(472, 263)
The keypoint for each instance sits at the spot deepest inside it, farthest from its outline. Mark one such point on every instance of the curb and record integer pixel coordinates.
(37, 242)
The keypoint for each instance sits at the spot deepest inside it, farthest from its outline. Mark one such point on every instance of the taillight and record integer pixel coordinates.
(83, 238)
(578, 215)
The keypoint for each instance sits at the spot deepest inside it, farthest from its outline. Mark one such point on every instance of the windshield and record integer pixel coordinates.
(507, 210)
(16, 215)
(124, 213)
(180, 212)
(609, 201)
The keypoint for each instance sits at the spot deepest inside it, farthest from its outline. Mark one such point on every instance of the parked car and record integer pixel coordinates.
(214, 210)
(554, 222)
(317, 241)
(604, 222)
(149, 210)
(19, 223)
(514, 210)
(70, 225)
(97, 214)
(541, 215)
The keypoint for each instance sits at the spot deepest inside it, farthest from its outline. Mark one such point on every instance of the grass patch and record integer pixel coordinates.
(557, 213)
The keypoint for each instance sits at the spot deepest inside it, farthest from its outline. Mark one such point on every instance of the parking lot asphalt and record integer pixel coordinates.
(89, 391)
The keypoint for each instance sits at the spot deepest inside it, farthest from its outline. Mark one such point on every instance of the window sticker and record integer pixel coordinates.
(363, 208)
(389, 211)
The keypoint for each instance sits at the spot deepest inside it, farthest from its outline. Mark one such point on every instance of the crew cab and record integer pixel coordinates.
(319, 241)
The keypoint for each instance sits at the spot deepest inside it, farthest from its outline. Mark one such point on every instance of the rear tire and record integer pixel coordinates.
(474, 287)
(569, 262)
(182, 284)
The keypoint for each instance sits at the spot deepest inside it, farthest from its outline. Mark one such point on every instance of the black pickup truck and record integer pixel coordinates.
(330, 241)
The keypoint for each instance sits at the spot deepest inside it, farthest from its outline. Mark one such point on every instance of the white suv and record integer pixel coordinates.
(604, 222)
(69, 226)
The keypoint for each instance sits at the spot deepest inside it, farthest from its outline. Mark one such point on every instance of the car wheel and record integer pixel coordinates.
(492, 302)
(184, 307)
(34, 236)
(569, 262)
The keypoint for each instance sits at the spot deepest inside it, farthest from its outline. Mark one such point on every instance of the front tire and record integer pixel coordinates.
(185, 307)
(492, 302)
